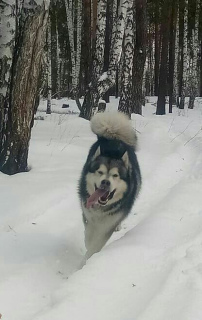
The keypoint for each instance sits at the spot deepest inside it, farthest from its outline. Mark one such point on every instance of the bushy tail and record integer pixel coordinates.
(114, 125)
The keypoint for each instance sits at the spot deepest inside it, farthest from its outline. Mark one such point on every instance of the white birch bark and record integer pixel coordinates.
(75, 50)
(101, 82)
(114, 14)
(194, 46)
(108, 79)
(92, 97)
(19, 94)
(78, 40)
(114, 23)
(70, 24)
(7, 42)
(128, 53)
(98, 59)
(92, 20)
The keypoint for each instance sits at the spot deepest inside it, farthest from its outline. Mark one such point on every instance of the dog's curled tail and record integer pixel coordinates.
(114, 125)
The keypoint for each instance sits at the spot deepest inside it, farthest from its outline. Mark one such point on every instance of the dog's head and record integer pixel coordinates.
(106, 179)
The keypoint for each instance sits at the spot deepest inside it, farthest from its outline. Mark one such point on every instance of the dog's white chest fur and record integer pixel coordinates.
(98, 228)
(96, 215)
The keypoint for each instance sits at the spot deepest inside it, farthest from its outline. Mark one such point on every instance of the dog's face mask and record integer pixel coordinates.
(106, 180)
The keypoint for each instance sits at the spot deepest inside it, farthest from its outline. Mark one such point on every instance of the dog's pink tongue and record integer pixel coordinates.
(94, 197)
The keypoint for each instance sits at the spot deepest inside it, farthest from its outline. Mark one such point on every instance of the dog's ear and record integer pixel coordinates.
(126, 159)
(96, 154)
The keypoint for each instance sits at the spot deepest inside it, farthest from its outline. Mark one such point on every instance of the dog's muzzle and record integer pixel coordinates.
(101, 195)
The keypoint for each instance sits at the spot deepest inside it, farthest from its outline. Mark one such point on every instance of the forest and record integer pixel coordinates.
(132, 49)
(93, 49)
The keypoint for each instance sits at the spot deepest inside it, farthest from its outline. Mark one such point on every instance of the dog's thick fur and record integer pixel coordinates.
(111, 168)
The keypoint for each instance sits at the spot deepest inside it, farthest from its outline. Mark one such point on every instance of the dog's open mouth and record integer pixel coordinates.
(101, 196)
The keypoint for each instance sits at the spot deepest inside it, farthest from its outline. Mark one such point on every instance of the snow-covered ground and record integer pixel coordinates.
(150, 270)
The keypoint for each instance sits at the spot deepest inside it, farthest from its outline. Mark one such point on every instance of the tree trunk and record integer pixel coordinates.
(200, 51)
(75, 44)
(7, 43)
(148, 78)
(58, 60)
(117, 84)
(139, 56)
(18, 105)
(49, 71)
(164, 59)
(108, 34)
(107, 79)
(100, 85)
(86, 48)
(157, 48)
(194, 49)
(172, 53)
(125, 102)
(184, 60)
(176, 85)
(91, 97)
(201, 69)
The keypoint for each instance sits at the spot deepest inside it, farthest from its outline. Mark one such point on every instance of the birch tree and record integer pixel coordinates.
(200, 50)
(176, 64)
(194, 49)
(125, 102)
(75, 44)
(91, 97)
(102, 82)
(107, 79)
(49, 73)
(23, 31)
(7, 43)
(184, 59)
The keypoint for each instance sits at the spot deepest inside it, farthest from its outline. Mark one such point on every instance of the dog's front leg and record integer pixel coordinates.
(95, 239)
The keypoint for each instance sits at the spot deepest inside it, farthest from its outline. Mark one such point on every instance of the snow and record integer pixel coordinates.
(150, 270)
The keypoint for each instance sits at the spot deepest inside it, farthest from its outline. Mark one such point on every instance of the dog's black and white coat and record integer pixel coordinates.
(110, 180)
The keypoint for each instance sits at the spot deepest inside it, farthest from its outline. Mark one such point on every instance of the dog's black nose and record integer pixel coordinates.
(105, 183)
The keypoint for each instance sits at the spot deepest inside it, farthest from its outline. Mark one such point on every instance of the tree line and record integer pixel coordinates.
(130, 49)
(92, 49)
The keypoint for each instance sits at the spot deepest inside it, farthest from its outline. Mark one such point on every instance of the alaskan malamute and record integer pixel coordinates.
(110, 180)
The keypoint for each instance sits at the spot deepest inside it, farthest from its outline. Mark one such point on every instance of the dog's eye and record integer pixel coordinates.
(115, 175)
(100, 172)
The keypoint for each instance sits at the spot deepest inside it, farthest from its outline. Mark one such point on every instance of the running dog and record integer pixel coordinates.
(110, 179)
